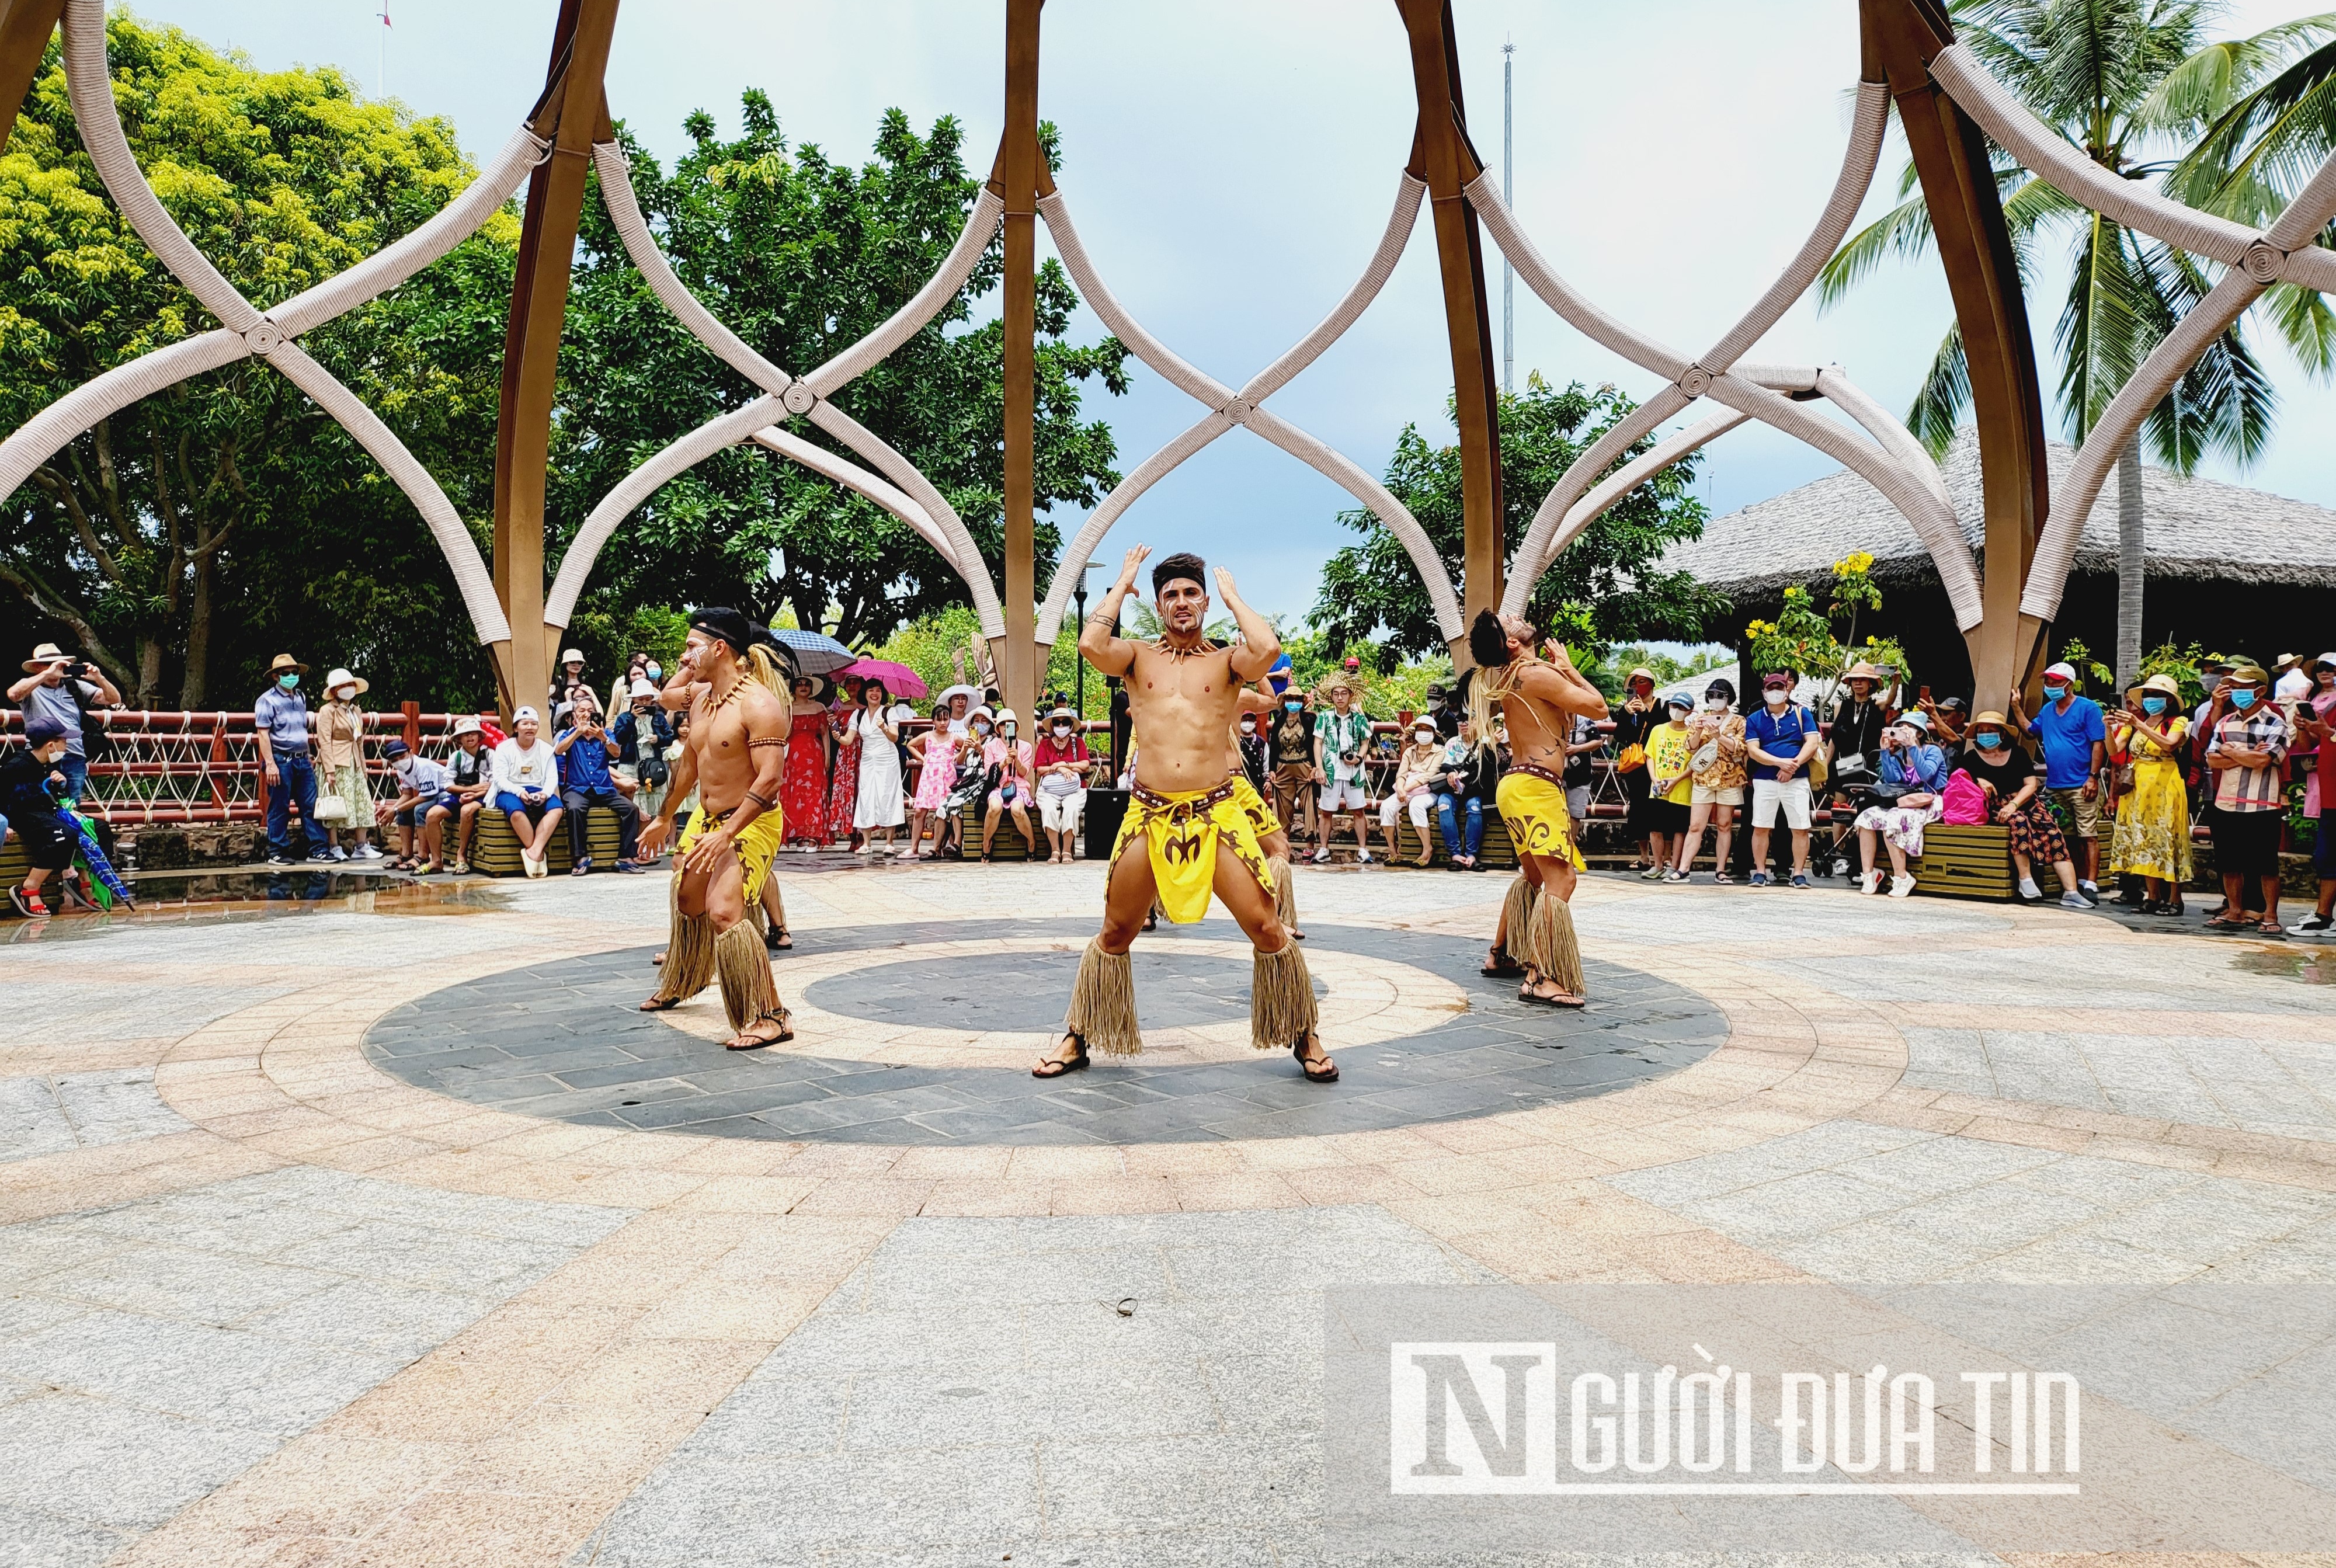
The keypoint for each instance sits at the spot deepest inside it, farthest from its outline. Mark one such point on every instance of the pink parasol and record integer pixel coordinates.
(898, 678)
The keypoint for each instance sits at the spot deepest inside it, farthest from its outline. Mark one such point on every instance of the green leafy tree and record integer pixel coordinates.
(2135, 84)
(191, 528)
(1605, 586)
(802, 256)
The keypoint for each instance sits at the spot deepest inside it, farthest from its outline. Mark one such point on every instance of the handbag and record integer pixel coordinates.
(1630, 759)
(331, 808)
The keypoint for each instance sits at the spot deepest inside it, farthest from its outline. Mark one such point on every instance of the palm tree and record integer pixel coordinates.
(2135, 84)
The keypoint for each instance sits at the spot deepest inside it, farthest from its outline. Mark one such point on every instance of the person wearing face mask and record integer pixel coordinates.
(1061, 764)
(2243, 754)
(1256, 753)
(423, 804)
(2075, 741)
(526, 789)
(1907, 799)
(1716, 732)
(2006, 775)
(2315, 729)
(2152, 837)
(340, 765)
(1639, 715)
(279, 721)
(32, 785)
(1416, 776)
(1290, 734)
(1779, 740)
(1009, 757)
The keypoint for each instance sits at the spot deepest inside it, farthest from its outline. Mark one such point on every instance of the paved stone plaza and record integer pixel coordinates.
(383, 1231)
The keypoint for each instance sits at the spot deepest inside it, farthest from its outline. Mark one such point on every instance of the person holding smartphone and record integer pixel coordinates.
(60, 687)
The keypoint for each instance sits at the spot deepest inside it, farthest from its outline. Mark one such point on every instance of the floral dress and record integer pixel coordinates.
(803, 788)
(937, 776)
(843, 786)
(2153, 819)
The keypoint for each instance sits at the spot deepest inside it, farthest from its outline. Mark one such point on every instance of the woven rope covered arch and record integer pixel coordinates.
(247, 330)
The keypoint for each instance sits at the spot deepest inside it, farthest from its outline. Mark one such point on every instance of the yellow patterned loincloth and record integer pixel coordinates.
(1263, 822)
(757, 845)
(1533, 805)
(1182, 833)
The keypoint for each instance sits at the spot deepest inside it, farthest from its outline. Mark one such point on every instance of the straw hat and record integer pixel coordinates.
(341, 678)
(1862, 670)
(2162, 684)
(1988, 716)
(284, 661)
(465, 726)
(1335, 681)
(47, 653)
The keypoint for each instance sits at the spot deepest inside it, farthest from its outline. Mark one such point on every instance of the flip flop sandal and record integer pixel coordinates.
(779, 942)
(659, 1005)
(2219, 924)
(1061, 1068)
(2271, 929)
(742, 1042)
(1298, 1050)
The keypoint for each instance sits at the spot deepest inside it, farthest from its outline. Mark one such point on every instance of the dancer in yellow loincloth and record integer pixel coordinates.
(1199, 835)
(1538, 702)
(736, 755)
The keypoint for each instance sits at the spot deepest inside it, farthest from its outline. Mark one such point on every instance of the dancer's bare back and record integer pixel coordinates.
(1542, 705)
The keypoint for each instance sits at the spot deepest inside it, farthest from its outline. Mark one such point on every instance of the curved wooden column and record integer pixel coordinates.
(1901, 38)
(24, 29)
(571, 114)
(1019, 176)
(1443, 156)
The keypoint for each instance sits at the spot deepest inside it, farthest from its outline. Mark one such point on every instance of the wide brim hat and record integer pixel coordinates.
(1862, 670)
(47, 653)
(284, 661)
(465, 726)
(2286, 661)
(972, 696)
(339, 678)
(1062, 711)
(2161, 683)
(1988, 716)
(1337, 680)
(823, 687)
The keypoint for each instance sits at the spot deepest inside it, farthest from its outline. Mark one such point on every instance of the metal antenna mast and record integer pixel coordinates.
(1508, 191)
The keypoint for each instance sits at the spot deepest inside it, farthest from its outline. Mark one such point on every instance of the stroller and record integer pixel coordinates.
(1855, 788)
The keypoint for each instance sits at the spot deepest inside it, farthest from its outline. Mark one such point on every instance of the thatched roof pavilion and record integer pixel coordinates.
(2228, 567)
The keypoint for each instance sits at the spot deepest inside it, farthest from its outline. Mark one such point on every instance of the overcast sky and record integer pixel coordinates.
(1231, 164)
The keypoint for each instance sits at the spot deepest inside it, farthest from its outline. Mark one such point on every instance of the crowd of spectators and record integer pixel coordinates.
(2083, 792)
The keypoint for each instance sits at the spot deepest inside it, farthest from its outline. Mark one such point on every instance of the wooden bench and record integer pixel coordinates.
(494, 852)
(1008, 844)
(1965, 863)
(1495, 849)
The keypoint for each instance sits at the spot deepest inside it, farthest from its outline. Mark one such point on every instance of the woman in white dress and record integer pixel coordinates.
(879, 803)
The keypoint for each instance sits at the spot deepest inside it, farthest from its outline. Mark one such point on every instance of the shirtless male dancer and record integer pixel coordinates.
(1185, 815)
(736, 755)
(1538, 702)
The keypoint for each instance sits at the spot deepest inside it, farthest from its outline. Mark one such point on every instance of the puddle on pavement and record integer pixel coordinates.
(202, 898)
(2313, 965)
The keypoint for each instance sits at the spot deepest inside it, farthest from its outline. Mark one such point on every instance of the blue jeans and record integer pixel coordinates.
(298, 786)
(75, 767)
(1455, 844)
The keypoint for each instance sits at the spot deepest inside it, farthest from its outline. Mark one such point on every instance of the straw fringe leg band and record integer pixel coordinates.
(1556, 951)
(1517, 920)
(749, 994)
(1281, 999)
(1102, 1003)
(688, 967)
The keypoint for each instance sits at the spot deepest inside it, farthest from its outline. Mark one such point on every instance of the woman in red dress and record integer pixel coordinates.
(803, 788)
(846, 789)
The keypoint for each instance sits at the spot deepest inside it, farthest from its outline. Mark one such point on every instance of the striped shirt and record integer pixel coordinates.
(2251, 789)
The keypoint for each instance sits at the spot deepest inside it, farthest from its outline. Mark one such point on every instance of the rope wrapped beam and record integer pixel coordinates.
(919, 504)
(1227, 408)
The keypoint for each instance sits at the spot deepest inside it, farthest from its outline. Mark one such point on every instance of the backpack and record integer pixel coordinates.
(1963, 803)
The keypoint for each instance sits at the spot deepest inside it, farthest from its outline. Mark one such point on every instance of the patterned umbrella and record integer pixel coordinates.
(815, 652)
(898, 678)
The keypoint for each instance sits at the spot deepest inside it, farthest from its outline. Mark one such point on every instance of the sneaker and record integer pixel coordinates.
(324, 857)
(2090, 889)
(2092, 899)
(2314, 925)
(1651, 874)
(1871, 882)
(1801, 880)
(1900, 886)
(1759, 878)
(1675, 875)
(335, 853)
(2074, 900)
(1841, 867)
(1363, 857)
(366, 852)
(1322, 855)
(282, 861)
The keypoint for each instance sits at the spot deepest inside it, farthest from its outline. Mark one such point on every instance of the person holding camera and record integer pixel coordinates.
(1342, 739)
(1905, 799)
(59, 687)
(585, 753)
(641, 734)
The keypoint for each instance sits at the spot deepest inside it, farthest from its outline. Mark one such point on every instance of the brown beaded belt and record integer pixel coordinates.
(1179, 810)
(1534, 770)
